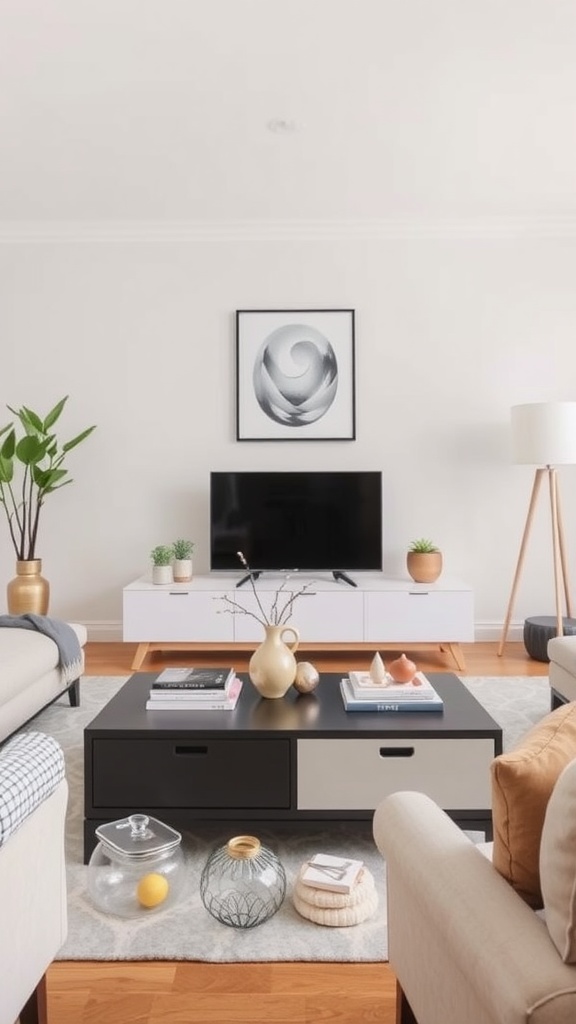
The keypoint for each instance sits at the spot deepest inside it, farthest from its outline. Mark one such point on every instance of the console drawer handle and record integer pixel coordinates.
(190, 750)
(178, 593)
(396, 751)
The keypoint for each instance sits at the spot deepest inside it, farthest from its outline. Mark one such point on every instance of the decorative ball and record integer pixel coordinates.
(307, 677)
(152, 890)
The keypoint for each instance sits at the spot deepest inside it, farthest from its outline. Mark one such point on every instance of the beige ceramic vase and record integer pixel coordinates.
(272, 667)
(28, 591)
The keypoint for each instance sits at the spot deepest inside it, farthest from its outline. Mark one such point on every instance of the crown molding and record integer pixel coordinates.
(38, 232)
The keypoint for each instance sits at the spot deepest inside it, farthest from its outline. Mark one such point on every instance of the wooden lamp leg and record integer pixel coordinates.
(529, 518)
(558, 550)
(563, 561)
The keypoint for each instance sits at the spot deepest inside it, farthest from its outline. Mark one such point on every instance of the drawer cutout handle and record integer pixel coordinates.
(188, 751)
(396, 751)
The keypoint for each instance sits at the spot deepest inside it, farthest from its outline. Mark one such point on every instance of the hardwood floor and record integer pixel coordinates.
(278, 993)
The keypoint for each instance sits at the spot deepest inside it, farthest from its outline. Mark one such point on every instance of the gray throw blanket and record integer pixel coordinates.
(60, 632)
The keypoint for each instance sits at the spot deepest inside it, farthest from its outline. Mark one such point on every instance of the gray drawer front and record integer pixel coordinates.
(175, 773)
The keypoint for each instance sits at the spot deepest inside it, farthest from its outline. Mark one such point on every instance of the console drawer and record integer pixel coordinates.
(426, 616)
(357, 774)
(190, 773)
(175, 614)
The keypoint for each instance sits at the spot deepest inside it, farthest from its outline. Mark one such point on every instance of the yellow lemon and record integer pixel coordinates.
(152, 890)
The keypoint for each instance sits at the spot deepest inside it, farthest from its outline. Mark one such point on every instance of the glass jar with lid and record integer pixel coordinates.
(137, 867)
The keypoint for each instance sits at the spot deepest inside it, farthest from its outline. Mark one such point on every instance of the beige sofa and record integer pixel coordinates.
(33, 918)
(562, 670)
(30, 676)
(465, 948)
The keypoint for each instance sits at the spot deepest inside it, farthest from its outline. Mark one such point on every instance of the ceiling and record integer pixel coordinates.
(242, 110)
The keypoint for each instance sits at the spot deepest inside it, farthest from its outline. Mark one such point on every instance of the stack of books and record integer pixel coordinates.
(195, 689)
(361, 693)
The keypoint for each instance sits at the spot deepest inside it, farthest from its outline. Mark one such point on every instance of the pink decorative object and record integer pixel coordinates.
(402, 669)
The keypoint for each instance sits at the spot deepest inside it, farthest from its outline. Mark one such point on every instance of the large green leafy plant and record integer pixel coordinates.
(31, 467)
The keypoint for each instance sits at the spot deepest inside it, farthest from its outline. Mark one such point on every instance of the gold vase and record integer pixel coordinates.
(272, 667)
(28, 591)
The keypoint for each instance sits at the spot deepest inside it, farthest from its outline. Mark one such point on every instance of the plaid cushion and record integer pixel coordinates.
(31, 766)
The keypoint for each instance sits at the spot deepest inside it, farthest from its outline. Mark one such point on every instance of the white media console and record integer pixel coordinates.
(376, 613)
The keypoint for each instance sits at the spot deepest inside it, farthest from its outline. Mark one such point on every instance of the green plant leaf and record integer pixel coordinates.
(30, 450)
(54, 414)
(9, 445)
(76, 440)
(30, 419)
(46, 478)
(6, 470)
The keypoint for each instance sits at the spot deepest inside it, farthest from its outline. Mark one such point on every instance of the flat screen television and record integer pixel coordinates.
(305, 521)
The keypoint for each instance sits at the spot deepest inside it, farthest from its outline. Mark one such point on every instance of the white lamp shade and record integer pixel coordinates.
(544, 433)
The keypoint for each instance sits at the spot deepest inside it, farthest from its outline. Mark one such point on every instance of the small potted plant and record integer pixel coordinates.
(182, 567)
(161, 557)
(424, 561)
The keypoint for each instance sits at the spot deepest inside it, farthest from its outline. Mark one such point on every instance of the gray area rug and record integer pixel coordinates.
(188, 932)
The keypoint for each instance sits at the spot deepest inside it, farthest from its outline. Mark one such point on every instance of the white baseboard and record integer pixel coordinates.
(111, 632)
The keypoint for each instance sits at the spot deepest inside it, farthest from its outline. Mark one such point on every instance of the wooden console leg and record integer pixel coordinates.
(141, 652)
(456, 652)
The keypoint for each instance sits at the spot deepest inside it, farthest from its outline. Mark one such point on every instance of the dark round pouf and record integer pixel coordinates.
(539, 629)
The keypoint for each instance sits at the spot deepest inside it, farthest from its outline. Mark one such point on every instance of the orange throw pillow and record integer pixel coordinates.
(522, 782)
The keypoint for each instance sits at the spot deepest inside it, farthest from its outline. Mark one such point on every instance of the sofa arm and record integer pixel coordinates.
(459, 931)
(31, 767)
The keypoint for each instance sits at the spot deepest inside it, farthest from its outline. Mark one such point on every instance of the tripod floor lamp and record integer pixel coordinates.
(544, 435)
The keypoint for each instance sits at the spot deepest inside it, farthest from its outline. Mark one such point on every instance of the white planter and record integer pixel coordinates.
(162, 574)
(182, 569)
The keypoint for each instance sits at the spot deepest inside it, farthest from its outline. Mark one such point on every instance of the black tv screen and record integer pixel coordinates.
(296, 521)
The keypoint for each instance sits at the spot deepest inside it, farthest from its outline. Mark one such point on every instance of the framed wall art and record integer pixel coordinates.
(295, 376)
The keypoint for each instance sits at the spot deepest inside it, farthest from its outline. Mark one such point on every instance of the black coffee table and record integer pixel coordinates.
(300, 758)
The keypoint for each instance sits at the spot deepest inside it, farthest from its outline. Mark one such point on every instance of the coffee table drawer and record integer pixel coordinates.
(357, 774)
(190, 773)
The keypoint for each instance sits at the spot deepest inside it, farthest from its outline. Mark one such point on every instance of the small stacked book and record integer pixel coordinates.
(335, 874)
(195, 689)
(361, 693)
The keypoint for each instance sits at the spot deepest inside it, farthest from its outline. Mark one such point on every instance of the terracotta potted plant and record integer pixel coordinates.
(424, 561)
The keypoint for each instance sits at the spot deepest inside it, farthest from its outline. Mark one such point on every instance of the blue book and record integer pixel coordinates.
(351, 703)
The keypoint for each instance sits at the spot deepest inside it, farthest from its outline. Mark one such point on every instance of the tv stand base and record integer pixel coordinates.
(249, 576)
(143, 650)
(339, 575)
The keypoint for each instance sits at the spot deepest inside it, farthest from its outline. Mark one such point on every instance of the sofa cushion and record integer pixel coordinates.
(562, 650)
(31, 766)
(27, 656)
(522, 783)
(558, 864)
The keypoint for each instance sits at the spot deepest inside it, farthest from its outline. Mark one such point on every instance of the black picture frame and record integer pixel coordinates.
(295, 375)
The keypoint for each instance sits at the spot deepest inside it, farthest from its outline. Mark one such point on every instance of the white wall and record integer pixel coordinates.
(453, 327)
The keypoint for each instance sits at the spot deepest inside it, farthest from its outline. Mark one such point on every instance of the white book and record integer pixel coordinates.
(193, 703)
(336, 874)
(363, 687)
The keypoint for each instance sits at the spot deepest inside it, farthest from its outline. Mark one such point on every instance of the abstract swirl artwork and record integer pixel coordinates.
(295, 374)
